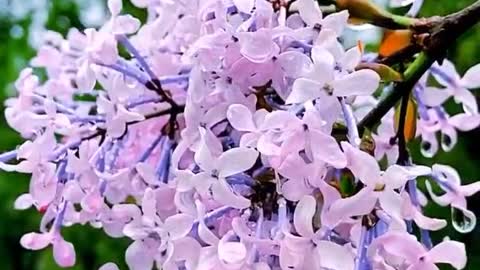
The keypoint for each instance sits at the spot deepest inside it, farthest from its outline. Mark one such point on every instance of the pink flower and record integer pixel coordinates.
(322, 82)
(406, 247)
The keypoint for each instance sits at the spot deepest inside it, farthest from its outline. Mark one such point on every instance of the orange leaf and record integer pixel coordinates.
(394, 41)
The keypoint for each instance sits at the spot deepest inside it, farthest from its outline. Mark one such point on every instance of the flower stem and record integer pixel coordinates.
(411, 76)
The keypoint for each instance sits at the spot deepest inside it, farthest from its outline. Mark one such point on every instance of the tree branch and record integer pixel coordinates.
(439, 36)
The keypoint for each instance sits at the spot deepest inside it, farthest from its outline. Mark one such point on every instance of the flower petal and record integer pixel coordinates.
(109, 266)
(63, 253)
(304, 90)
(225, 195)
(330, 254)
(36, 241)
(359, 204)
(397, 176)
(204, 233)
(309, 12)
(294, 63)
(115, 7)
(231, 252)
(427, 223)
(240, 117)
(303, 216)
(236, 160)
(245, 6)
(471, 79)
(362, 165)
(403, 245)
(391, 202)
(359, 83)
(451, 252)
(464, 121)
(178, 225)
(432, 96)
(23, 201)
(137, 257)
(258, 47)
(85, 78)
(326, 149)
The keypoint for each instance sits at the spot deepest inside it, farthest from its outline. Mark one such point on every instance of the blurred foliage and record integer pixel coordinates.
(93, 247)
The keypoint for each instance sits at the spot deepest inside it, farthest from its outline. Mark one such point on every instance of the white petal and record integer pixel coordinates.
(391, 202)
(293, 190)
(178, 225)
(448, 68)
(236, 160)
(447, 173)
(294, 63)
(334, 256)
(403, 245)
(240, 117)
(396, 177)
(351, 59)
(309, 11)
(304, 90)
(471, 79)
(115, 7)
(465, 122)
(85, 78)
(224, 195)
(205, 155)
(362, 165)
(336, 22)
(427, 223)
(109, 266)
(137, 257)
(324, 64)
(35, 241)
(359, 83)
(432, 96)
(205, 234)
(147, 172)
(128, 116)
(451, 252)
(232, 252)
(468, 100)
(126, 24)
(23, 201)
(63, 253)
(359, 204)
(325, 148)
(303, 216)
(245, 6)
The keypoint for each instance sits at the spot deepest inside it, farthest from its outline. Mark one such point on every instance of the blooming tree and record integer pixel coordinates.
(244, 135)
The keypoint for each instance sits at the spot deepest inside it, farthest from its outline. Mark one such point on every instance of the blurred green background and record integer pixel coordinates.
(21, 23)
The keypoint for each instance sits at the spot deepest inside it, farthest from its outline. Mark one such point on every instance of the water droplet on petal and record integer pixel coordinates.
(463, 220)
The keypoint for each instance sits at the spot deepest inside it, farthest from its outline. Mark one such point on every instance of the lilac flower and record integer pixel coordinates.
(456, 86)
(406, 246)
(323, 81)
(216, 166)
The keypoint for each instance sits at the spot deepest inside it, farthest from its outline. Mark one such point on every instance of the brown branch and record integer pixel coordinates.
(441, 32)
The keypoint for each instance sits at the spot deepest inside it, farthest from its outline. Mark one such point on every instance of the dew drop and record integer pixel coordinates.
(463, 221)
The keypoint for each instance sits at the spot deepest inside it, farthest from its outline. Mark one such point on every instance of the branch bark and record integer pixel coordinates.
(439, 34)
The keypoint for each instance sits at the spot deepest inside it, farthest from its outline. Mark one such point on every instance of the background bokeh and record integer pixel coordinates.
(21, 25)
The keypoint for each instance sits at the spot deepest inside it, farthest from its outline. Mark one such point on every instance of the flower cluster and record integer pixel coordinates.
(211, 136)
